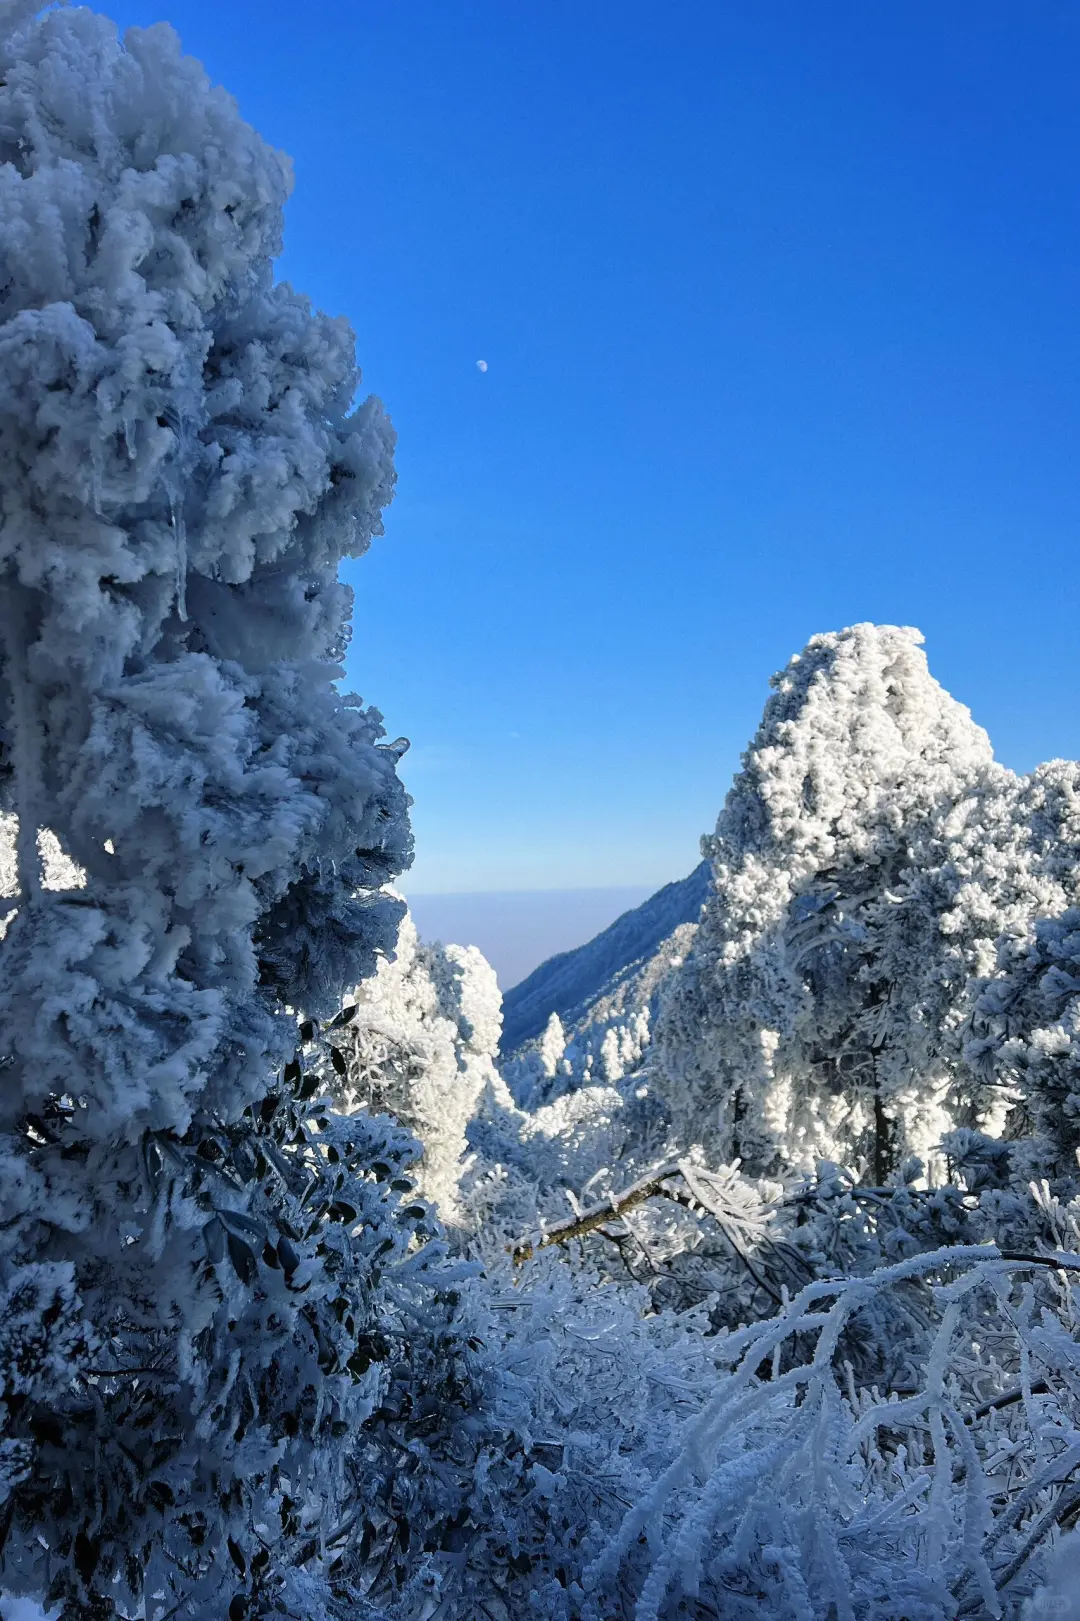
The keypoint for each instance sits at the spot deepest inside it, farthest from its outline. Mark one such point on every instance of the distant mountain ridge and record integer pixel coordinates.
(569, 983)
(517, 930)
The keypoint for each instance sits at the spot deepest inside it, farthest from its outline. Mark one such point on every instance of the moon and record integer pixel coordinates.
(481, 365)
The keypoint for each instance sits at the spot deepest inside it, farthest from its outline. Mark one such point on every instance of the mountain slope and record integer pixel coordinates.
(570, 983)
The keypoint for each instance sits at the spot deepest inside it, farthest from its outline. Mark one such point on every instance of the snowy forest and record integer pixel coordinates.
(730, 1269)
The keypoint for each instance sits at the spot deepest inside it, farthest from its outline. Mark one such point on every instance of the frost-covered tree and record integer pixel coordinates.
(187, 1262)
(1010, 871)
(418, 1041)
(811, 1017)
(1025, 1035)
(540, 1070)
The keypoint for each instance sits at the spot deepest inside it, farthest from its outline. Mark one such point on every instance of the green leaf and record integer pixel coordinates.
(243, 1259)
(160, 1494)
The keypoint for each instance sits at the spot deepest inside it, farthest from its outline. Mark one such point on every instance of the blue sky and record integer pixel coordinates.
(779, 304)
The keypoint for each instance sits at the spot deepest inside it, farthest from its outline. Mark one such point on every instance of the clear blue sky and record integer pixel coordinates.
(780, 306)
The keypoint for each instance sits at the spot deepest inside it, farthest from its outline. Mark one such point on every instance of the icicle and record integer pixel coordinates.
(128, 427)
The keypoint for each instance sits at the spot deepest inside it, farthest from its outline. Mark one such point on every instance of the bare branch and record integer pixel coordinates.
(593, 1216)
(1039, 1388)
(657, 1181)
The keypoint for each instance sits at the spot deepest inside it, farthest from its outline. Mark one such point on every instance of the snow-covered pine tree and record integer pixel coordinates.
(812, 1017)
(1023, 1030)
(189, 1268)
(418, 1041)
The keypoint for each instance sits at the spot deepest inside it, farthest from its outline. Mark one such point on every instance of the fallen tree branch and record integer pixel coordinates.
(586, 1221)
(696, 1199)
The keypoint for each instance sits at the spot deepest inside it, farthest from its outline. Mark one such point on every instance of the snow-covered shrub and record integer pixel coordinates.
(189, 1266)
(794, 1493)
(572, 1393)
(530, 1167)
(586, 1459)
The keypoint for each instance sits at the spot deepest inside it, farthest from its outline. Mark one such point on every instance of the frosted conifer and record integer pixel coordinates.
(186, 1270)
(807, 1020)
(419, 1043)
(1023, 1030)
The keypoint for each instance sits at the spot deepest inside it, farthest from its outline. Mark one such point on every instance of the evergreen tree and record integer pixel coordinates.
(418, 1042)
(1022, 1030)
(810, 1018)
(190, 1258)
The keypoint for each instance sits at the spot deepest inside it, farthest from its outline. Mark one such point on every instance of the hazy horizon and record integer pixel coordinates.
(517, 930)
